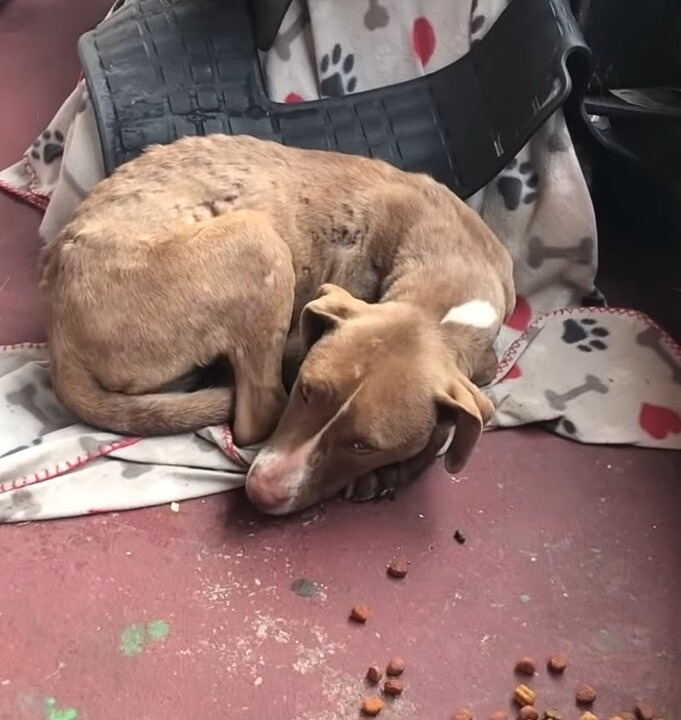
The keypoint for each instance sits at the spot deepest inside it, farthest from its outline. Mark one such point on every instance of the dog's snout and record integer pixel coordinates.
(265, 493)
(274, 480)
(265, 490)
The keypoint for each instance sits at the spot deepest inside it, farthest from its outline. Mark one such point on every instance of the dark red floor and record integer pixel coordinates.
(568, 547)
(157, 615)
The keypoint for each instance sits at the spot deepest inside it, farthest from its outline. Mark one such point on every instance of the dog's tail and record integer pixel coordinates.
(151, 414)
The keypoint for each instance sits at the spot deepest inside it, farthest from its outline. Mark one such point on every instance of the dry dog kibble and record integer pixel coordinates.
(525, 666)
(588, 715)
(372, 705)
(585, 694)
(498, 715)
(463, 714)
(360, 613)
(395, 666)
(399, 567)
(552, 714)
(393, 687)
(558, 662)
(374, 674)
(527, 712)
(524, 695)
(459, 537)
(644, 712)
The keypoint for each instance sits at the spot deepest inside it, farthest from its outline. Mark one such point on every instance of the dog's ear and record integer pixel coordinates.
(463, 405)
(329, 310)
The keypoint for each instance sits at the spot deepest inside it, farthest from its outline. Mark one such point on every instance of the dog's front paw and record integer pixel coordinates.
(381, 483)
(364, 488)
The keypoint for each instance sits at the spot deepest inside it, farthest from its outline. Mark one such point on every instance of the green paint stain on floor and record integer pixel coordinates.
(54, 712)
(134, 638)
(304, 587)
(158, 630)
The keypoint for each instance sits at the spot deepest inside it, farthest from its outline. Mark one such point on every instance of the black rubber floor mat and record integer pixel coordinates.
(161, 69)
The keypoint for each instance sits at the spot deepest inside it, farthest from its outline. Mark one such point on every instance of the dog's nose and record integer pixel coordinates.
(266, 490)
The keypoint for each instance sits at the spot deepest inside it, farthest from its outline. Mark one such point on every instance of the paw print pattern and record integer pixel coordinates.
(586, 334)
(48, 147)
(336, 75)
(476, 24)
(517, 184)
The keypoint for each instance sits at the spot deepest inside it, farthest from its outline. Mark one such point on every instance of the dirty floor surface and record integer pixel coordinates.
(214, 612)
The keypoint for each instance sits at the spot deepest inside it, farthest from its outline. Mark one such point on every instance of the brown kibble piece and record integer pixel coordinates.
(374, 674)
(399, 567)
(585, 694)
(393, 687)
(557, 663)
(463, 714)
(524, 695)
(525, 666)
(588, 715)
(372, 705)
(644, 712)
(498, 715)
(395, 666)
(527, 712)
(552, 714)
(360, 613)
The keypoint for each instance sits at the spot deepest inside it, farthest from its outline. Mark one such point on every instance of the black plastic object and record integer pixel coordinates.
(650, 135)
(635, 43)
(161, 69)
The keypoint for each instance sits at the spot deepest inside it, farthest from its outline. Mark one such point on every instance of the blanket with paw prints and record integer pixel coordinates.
(585, 371)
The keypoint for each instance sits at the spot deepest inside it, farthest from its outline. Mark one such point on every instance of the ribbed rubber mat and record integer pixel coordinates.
(161, 69)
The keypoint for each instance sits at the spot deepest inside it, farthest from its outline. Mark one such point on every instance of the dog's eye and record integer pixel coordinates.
(360, 445)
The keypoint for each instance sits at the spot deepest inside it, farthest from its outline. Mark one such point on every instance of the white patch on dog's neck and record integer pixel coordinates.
(477, 313)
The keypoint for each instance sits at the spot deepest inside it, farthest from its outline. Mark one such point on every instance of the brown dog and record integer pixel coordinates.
(241, 254)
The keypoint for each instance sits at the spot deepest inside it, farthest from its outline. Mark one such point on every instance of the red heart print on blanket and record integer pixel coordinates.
(423, 39)
(522, 314)
(659, 421)
(514, 373)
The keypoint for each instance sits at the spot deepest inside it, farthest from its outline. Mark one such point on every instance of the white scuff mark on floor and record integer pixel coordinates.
(309, 658)
(218, 594)
(305, 647)
(266, 626)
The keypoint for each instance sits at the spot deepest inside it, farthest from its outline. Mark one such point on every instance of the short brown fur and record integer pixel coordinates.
(213, 247)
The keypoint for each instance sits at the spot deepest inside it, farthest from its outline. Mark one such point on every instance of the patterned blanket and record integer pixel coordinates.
(593, 374)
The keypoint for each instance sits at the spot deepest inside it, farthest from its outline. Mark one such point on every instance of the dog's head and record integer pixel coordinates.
(376, 381)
